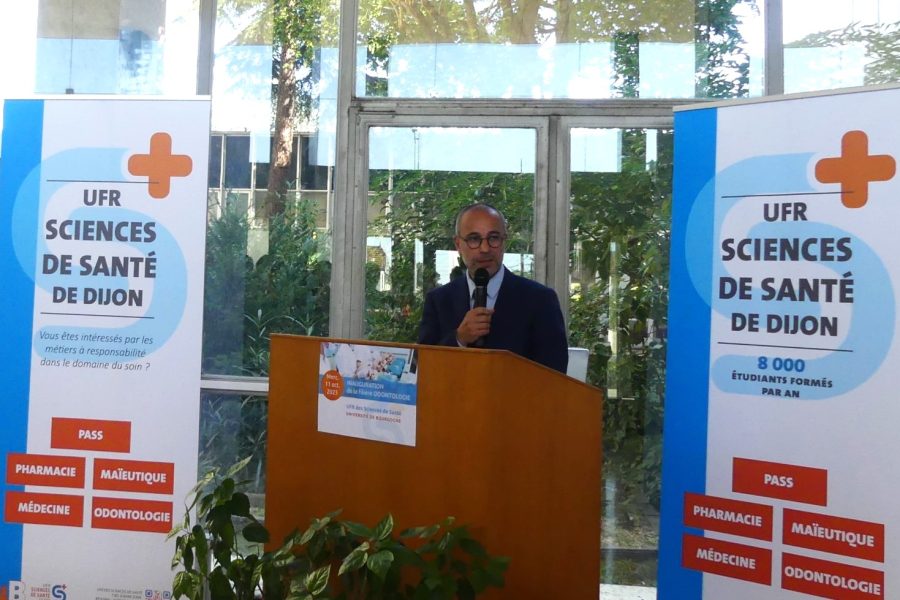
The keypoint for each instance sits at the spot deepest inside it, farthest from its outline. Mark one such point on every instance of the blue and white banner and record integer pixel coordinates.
(368, 392)
(779, 476)
(102, 213)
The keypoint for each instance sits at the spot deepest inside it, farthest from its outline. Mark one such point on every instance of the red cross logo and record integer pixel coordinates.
(855, 168)
(160, 166)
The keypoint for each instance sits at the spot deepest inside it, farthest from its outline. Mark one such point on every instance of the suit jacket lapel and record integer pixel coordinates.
(460, 299)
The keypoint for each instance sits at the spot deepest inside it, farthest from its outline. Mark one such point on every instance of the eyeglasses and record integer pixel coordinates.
(494, 240)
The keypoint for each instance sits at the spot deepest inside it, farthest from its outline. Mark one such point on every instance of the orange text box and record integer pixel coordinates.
(126, 514)
(828, 579)
(747, 519)
(776, 480)
(90, 434)
(837, 535)
(134, 476)
(737, 561)
(44, 509)
(45, 469)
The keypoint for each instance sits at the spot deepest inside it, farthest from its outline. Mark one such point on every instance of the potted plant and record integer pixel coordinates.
(221, 552)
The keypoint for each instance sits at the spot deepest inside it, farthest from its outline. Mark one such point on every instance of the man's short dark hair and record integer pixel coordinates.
(478, 206)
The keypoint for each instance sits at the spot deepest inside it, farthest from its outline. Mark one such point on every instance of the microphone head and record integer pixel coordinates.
(481, 277)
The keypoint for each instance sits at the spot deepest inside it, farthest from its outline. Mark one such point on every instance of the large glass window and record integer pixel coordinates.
(419, 177)
(268, 260)
(560, 49)
(851, 43)
(620, 206)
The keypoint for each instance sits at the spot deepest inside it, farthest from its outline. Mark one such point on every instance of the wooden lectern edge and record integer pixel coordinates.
(487, 351)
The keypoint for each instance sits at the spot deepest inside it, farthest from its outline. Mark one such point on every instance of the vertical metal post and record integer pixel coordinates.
(774, 47)
(206, 47)
(347, 281)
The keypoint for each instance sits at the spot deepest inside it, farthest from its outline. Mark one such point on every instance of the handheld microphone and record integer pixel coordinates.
(479, 297)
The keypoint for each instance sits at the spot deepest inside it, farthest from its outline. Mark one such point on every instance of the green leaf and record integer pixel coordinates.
(236, 467)
(182, 585)
(224, 491)
(316, 582)
(239, 505)
(219, 586)
(472, 546)
(198, 536)
(384, 528)
(356, 559)
(358, 529)
(255, 532)
(380, 562)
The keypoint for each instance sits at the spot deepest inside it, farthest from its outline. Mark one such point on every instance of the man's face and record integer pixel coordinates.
(483, 223)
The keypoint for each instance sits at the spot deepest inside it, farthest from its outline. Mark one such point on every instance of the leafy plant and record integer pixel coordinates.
(222, 553)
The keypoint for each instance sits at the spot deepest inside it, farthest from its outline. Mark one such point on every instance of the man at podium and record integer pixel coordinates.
(491, 307)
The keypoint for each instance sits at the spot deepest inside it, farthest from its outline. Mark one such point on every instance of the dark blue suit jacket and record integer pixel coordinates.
(527, 319)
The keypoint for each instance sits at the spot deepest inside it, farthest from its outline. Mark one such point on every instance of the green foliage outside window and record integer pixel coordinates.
(284, 291)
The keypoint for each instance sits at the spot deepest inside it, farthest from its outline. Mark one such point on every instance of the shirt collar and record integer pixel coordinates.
(493, 286)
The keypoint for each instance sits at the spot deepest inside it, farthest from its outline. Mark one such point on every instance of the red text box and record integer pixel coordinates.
(126, 514)
(44, 509)
(737, 561)
(828, 579)
(747, 519)
(134, 476)
(837, 535)
(90, 434)
(776, 480)
(45, 469)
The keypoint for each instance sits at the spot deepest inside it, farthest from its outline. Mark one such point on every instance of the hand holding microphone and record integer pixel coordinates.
(477, 322)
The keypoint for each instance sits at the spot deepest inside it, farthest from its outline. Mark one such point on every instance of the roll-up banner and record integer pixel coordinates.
(102, 213)
(780, 475)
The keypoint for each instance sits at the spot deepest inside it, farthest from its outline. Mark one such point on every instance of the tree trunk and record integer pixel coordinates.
(283, 136)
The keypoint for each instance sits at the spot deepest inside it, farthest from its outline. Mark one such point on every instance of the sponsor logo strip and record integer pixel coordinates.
(134, 476)
(775, 480)
(126, 514)
(44, 509)
(837, 535)
(45, 469)
(747, 519)
(90, 434)
(828, 579)
(728, 559)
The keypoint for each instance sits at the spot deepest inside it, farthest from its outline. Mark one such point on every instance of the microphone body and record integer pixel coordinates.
(479, 297)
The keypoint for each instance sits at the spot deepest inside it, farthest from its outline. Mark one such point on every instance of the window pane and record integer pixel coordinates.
(419, 177)
(560, 49)
(840, 43)
(620, 219)
(268, 266)
(116, 47)
(232, 428)
(237, 162)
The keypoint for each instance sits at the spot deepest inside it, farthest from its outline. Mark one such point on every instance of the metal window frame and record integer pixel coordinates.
(553, 119)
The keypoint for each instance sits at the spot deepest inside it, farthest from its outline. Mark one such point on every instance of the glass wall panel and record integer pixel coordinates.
(116, 47)
(560, 49)
(268, 262)
(840, 43)
(620, 220)
(419, 177)
(233, 428)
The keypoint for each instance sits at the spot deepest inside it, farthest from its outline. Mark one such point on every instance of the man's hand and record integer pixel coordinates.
(476, 324)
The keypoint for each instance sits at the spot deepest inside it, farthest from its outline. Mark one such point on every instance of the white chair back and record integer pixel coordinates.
(578, 363)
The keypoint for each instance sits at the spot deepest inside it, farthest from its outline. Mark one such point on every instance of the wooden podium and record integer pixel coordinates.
(509, 447)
